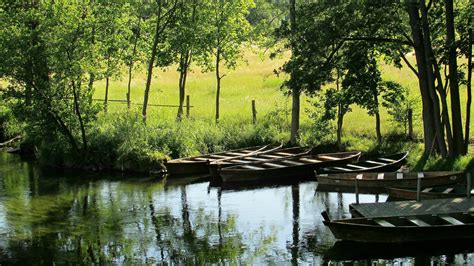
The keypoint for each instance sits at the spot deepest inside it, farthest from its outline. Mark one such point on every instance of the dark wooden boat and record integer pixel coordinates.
(378, 182)
(403, 229)
(297, 167)
(439, 192)
(199, 164)
(350, 250)
(389, 163)
(258, 157)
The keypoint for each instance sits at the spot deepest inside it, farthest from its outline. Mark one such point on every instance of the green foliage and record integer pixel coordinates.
(321, 129)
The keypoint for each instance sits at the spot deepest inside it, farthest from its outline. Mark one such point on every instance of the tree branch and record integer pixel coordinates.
(408, 63)
(376, 39)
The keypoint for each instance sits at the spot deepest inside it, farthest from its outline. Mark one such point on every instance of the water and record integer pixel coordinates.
(75, 218)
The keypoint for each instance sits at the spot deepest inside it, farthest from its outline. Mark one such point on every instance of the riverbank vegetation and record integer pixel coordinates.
(82, 82)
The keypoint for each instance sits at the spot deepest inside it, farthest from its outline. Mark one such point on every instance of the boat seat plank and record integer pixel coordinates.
(449, 189)
(417, 221)
(219, 156)
(284, 153)
(383, 223)
(273, 165)
(428, 189)
(271, 156)
(237, 153)
(292, 162)
(341, 168)
(201, 159)
(252, 167)
(388, 160)
(375, 162)
(309, 160)
(451, 220)
(356, 166)
(327, 157)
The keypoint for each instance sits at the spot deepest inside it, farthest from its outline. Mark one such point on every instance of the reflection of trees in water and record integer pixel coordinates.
(102, 221)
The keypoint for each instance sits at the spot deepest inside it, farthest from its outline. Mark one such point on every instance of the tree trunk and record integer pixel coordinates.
(218, 80)
(377, 119)
(427, 104)
(184, 62)
(340, 120)
(453, 80)
(130, 67)
(79, 116)
(151, 62)
(431, 80)
(106, 99)
(469, 93)
(295, 93)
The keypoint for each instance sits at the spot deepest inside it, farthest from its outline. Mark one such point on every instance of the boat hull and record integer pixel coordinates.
(300, 172)
(410, 194)
(365, 233)
(342, 184)
(191, 168)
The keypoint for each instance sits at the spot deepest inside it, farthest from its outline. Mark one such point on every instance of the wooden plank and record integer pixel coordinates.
(357, 166)
(342, 169)
(428, 189)
(451, 220)
(237, 153)
(375, 162)
(417, 221)
(271, 156)
(448, 190)
(383, 223)
(309, 160)
(292, 162)
(273, 165)
(252, 167)
(387, 160)
(413, 208)
(328, 157)
(201, 159)
(284, 153)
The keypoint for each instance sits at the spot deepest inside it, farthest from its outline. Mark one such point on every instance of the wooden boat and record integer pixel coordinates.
(297, 167)
(378, 182)
(199, 164)
(389, 163)
(403, 229)
(258, 157)
(350, 250)
(439, 192)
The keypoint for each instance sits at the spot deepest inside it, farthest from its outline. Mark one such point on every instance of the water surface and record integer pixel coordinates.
(51, 216)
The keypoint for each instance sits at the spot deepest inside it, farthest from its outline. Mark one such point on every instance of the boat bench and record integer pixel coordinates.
(383, 223)
(451, 220)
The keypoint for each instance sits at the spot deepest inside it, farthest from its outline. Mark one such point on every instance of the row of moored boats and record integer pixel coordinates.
(345, 172)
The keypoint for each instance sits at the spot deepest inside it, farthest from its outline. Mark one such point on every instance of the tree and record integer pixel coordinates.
(227, 28)
(47, 50)
(165, 15)
(111, 35)
(185, 42)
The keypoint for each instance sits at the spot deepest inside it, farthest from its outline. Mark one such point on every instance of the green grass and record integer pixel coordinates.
(254, 78)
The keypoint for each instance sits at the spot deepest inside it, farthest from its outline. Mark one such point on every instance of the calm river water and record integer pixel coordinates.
(75, 218)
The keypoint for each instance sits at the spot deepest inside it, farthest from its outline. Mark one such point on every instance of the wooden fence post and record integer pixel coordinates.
(254, 113)
(187, 106)
(410, 123)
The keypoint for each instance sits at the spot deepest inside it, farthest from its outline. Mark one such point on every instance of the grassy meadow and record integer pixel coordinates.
(254, 78)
